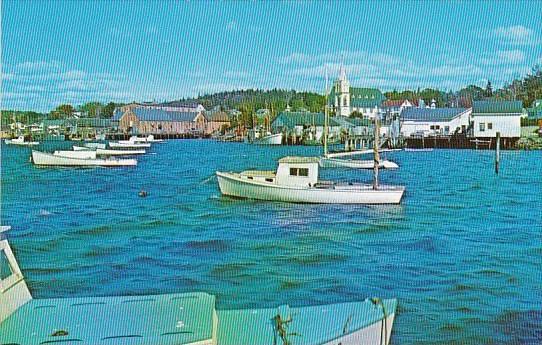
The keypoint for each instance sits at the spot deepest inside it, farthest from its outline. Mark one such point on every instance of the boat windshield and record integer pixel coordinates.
(5, 268)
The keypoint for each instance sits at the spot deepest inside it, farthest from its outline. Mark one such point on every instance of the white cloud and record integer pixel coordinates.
(505, 57)
(516, 35)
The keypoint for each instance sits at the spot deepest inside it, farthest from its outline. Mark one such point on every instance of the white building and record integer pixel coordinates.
(345, 100)
(490, 117)
(434, 121)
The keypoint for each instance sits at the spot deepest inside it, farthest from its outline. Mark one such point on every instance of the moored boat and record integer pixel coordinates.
(262, 137)
(86, 154)
(48, 159)
(296, 180)
(148, 139)
(182, 318)
(327, 162)
(107, 152)
(128, 144)
(21, 142)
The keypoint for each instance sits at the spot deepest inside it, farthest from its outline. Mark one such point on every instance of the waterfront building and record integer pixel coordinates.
(217, 121)
(492, 116)
(535, 111)
(416, 122)
(344, 99)
(146, 120)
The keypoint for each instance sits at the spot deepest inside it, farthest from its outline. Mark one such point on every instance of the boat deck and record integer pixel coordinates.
(163, 319)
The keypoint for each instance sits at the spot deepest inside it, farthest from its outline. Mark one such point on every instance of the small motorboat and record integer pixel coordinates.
(94, 145)
(296, 180)
(21, 142)
(126, 144)
(50, 159)
(148, 139)
(182, 318)
(85, 154)
(107, 152)
(261, 137)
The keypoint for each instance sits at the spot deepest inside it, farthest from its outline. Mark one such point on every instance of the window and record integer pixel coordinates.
(304, 172)
(269, 180)
(482, 127)
(489, 125)
(5, 267)
(431, 127)
(447, 129)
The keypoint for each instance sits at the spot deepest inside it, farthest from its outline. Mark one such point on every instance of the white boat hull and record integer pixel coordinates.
(20, 143)
(355, 164)
(129, 145)
(47, 159)
(232, 184)
(85, 154)
(273, 139)
(106, 152)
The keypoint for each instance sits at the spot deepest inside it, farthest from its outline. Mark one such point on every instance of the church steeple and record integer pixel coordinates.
(342, 93)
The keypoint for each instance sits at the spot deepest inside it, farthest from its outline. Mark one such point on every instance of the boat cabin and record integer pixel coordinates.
(297, 171)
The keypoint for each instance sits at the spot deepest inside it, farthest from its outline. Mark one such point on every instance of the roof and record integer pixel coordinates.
(299, 160)
(180, 104)
(161, 319)
(497, 107)
(147, 114)
(431, 114)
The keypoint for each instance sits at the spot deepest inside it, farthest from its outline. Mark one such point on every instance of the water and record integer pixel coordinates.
(463, 253)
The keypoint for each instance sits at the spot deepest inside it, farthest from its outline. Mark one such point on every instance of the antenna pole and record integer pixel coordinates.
(325, 119)
(375, 150)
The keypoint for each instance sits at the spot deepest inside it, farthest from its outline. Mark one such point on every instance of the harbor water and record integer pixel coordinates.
(462, 253)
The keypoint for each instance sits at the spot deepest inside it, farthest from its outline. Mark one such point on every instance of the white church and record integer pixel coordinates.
(345, 100)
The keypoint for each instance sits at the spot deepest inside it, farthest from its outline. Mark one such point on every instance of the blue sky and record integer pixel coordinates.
(56, 52)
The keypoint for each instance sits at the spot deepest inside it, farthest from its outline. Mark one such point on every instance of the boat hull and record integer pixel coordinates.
(233, 185)
(355, 164)
(88, 154)
(106, 152)
(21, 143)
(46, 159)
(128, 145)
(273, 139)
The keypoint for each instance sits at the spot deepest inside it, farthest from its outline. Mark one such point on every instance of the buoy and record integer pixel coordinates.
(142, 193)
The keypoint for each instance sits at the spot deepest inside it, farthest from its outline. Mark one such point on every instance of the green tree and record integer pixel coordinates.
(62, 111)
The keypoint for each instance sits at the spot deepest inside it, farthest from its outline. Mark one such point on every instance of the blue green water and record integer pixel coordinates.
(462, 253)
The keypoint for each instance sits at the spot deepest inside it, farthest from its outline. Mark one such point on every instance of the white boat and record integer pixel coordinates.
(269, 139)
(95, 145)
(21, 142)
(418, 150)
(182, 318)
(126, 144)
(80, 154)
(106, 152)
(326, 162)
(48, 159)
(148, 139)
(262, 137)
(296, 180)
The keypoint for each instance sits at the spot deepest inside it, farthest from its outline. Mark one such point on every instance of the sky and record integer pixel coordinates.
(75, 52)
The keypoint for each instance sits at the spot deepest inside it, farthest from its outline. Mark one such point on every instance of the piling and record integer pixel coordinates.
(376, 154)
(497, 152)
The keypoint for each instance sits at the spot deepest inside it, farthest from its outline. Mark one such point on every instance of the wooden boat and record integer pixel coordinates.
(106, 152)
(21, 142)
(126, 144)
(48, 159)
(296, 180)
(183, 318)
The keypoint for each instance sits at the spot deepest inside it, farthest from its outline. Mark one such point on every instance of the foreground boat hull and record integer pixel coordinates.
(46, 159)
(231, 184)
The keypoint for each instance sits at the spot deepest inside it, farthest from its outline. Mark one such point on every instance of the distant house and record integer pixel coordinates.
(296, 122)
(535, 111)
(434, 121)
(216, 121)
(345, 100)
(490, 117)
(159, 121)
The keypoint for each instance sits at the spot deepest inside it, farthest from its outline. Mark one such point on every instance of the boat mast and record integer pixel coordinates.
(375, 150)
(325, 119)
